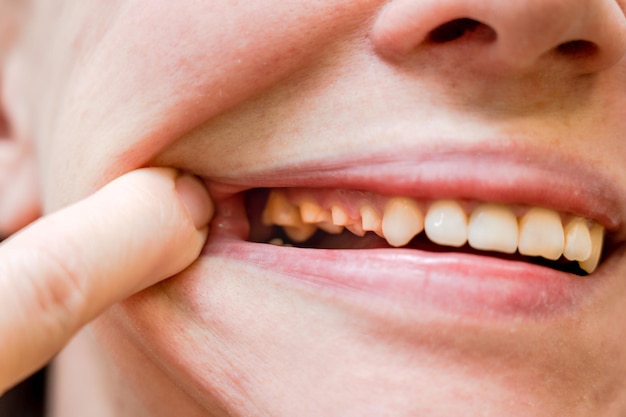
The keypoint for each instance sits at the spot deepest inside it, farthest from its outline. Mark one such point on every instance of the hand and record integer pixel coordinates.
(66, 268)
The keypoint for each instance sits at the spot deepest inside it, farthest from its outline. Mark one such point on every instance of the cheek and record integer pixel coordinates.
(158, 72)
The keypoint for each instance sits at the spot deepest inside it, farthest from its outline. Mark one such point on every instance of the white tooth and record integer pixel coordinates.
(310, 211)
(371, 220)
(301, 232)
(541, 234)
(280, 211)
(577, 240)
(339, 216)
(493, 227)
(597, 240)
(402, 220)
(446, 223)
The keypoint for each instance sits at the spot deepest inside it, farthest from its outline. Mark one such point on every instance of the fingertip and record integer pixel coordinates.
(196, 199)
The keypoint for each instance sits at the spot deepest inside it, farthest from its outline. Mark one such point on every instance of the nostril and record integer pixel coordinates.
(458, 28)
(577, 49)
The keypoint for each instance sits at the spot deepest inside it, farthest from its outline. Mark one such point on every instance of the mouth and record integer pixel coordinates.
(478, 230)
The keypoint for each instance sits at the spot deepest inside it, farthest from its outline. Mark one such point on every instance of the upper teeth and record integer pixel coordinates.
(494, 227)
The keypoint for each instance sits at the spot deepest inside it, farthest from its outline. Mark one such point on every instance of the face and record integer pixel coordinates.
(500, 122)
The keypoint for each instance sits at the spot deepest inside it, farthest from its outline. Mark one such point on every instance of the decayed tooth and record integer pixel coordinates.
(541, 234)
(577, 240)
(597, 240)
(446, 223)
(339, 216)
(371, 220)
(493, 227)
(280, 211)
(402, 220)
(356, 229)
(310, 211)
(301, 232)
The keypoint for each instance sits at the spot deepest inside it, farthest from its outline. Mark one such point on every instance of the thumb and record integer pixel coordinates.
(66, 268)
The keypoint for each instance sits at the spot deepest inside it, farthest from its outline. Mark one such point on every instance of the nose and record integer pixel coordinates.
(506, 35)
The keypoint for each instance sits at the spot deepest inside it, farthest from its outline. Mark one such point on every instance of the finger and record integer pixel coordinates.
(67, 267)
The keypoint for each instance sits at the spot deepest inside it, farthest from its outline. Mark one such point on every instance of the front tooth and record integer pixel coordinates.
(541, 234)
(402, 220)
(356, 229)
(597, 240)
(493, 227)
(577, 240)
(446, 223)
(280, 211)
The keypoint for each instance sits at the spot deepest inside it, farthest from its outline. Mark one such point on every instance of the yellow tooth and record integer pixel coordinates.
(328, 227)
(324, 217)
(339, 216)
(597, 240)
(402, 220)
(446, 223)
(541, 234)
(310, 211)
(577, 240)
(493, 227)
(371, 220)
(301, 232)
(280, 211)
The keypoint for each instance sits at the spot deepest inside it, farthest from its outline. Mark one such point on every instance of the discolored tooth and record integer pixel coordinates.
(402, 221)
(597, 241)
(339, 216)
(541, 234)
(324, 217)
(493, 227)
(577, 240)
(280, 211)
(310, 211)
(446, 223)
(301, 232)
(330, 228)
(371, 220)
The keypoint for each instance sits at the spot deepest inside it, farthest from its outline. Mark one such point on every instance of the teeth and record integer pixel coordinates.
(402, 220)
(597, 239)
(577, 240)
(446, 223)
(490, 227)
(541, 234)
(493, 227)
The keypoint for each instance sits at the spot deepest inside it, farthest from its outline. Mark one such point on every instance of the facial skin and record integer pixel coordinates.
(267, 94)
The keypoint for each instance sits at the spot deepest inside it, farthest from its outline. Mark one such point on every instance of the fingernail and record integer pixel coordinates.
(196, 199)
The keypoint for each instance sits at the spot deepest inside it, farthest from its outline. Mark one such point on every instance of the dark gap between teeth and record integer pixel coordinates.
(256, 199)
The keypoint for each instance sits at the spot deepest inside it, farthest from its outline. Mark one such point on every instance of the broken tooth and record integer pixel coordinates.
(339, 216)
(577, 240)
(280, 211)
(356, 229)
(493, 227)
(541, 234)
(402, 220)
(597, 241)
(310, 211)
(446, 223)
(371, 220)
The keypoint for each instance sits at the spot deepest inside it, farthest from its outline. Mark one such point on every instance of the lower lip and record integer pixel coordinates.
(455, 283)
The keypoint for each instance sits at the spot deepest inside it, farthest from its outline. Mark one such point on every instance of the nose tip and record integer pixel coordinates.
(506, 35)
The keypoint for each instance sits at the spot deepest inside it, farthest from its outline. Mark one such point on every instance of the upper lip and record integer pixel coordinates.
(505, 173)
